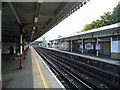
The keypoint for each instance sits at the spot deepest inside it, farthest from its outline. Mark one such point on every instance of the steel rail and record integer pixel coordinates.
(56, 58)
(65, 73)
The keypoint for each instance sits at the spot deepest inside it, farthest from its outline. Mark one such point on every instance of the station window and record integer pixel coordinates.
(80, 41)
(116, 38)
(104, 39)
(90, 40)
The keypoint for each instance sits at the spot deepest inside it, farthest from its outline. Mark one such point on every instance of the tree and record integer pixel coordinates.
(37, 42)
(106, 19)
(116, 14)
(77, 32)
(94, 24)
(87, 27)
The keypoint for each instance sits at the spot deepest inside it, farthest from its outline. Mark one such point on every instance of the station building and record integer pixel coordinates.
(103, 41)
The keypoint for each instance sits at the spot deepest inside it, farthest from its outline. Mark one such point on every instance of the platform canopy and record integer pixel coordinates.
(33, 19)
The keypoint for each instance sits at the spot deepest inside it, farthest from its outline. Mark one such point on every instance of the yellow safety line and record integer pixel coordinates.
(41, 73)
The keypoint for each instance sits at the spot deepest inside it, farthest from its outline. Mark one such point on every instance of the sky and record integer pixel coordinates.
(76, 21)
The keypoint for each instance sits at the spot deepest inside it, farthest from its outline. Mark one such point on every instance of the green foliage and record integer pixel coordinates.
(106, 19)
(37, 42)
(116, 14)
(87, 27)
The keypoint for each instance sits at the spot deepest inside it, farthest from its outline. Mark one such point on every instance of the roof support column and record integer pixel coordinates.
(82, 45)
(111, 39)
(97, 47)
(0, 43)
(21, 47)
(57, 44)
(71, 46)
(20, 67)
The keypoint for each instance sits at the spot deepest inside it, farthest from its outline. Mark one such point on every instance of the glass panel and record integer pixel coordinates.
(90, 40)
(79, 40)
(114, 39)
(104, 39)
(118, 38)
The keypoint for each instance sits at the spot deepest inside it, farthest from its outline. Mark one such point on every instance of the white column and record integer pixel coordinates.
(117, 38)
(97, 47)
(20, 66)
(82, 46)
(57, 44)
(54, 44)
(21, 44)
(0, 43)
(71, 45)
(111, 47)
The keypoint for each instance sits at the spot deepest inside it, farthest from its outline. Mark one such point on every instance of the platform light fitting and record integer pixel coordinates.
(33, 27)
(78, 7)
(33, 32)
(81, 4)
(36, 19)
(84, 2)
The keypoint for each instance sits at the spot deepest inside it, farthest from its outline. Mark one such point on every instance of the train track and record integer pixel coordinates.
(71, 80)
(72, 72)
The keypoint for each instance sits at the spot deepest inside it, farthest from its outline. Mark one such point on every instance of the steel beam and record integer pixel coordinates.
(37, 9)
(111, 39)
(36, 15)
(46, 13)
(14, 12)
(21, 53)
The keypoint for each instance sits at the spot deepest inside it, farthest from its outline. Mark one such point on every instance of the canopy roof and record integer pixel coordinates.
(36, 18)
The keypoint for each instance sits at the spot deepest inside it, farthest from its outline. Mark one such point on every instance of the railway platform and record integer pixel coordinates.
(100, 58)
(35, 73)
(85, 72)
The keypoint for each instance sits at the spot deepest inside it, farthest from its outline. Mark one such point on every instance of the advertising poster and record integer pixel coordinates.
(81, 45)
(89, 46)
